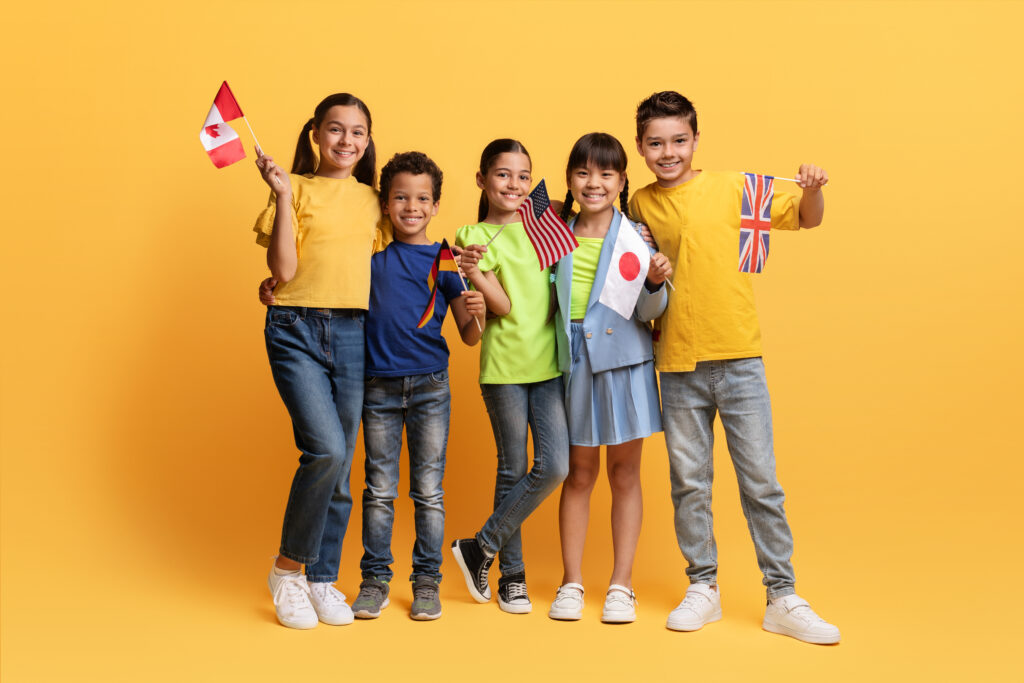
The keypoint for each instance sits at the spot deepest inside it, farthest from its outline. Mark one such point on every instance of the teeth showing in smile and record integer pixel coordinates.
(668, 164)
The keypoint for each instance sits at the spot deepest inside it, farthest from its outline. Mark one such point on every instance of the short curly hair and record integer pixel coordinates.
(416, 163)
(662, 105)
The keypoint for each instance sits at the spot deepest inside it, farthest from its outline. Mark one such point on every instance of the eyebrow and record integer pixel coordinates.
(339, 123)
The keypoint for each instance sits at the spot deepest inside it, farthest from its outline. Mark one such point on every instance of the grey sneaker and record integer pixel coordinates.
(426, 604)
(372, 598)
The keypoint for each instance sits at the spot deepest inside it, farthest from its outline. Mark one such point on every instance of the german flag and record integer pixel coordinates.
(444, 260)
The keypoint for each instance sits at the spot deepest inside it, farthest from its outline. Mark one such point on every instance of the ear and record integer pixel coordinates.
(696, 139)
(639, 147)
(437, 205)
(480, 180)
(316, 136)
(622, 182)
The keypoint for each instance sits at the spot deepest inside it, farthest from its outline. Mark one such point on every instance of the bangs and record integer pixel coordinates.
(600, 150)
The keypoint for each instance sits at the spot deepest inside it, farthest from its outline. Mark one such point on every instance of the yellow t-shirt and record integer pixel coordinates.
(337, 226)
(711, 313)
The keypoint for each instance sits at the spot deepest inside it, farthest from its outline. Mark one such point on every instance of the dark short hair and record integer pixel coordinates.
(664, 104)
(416, 163)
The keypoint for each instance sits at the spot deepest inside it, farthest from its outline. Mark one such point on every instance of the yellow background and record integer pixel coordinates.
(147, 456)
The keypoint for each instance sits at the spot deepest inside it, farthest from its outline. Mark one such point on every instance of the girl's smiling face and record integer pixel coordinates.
(507, 182)
(342, 138)
(595, 189)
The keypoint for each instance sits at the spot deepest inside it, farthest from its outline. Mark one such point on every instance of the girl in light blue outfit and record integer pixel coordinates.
(608, 290)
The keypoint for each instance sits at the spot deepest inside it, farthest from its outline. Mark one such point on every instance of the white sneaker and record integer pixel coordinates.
(792, 616)
(702, 605)
(619, 605)
(568, 604)
(330, 604)
(291, 599)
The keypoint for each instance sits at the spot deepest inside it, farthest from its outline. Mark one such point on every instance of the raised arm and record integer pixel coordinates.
(812, 204)
(282, 258)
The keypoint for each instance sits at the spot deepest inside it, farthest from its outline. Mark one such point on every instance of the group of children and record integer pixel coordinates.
(562, 358)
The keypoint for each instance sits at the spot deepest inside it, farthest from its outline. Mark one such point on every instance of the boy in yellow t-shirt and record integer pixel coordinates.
(708, 350)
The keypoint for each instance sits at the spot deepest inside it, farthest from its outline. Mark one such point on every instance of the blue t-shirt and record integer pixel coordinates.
(399, 294)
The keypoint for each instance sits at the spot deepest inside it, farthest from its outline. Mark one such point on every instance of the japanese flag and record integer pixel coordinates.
(219, 139)
(627, 271)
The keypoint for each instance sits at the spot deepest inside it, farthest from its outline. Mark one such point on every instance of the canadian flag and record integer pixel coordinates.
(626, 272)
(219, 139)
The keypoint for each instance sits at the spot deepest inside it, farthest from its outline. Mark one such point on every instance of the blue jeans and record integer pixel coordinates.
(736, 390)
(539, 406)
(316, 357)
(423, 404)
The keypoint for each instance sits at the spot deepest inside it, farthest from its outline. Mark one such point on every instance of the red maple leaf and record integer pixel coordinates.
(212, 131)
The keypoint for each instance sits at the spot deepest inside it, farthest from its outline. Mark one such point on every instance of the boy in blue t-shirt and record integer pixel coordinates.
(407, 384)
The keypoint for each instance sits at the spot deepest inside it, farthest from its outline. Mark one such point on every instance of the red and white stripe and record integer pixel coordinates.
(219, 139)
(550, 237)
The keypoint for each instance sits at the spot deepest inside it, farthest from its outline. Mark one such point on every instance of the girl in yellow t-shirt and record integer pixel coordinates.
(320, 229)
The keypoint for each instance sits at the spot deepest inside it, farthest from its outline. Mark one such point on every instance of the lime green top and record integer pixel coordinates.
(584, 267)
(517, 348)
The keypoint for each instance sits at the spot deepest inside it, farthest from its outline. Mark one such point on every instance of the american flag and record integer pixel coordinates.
(551, 237)
(755, 221)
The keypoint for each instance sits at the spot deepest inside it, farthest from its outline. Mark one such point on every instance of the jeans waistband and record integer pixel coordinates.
(305, 311)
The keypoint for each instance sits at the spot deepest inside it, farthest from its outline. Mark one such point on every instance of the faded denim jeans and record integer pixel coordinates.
(422, 404)
(737, 391)
(316, 357)
(514, 408)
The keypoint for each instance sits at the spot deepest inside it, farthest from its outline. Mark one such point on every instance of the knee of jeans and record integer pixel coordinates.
(429, 499)
(557, 471)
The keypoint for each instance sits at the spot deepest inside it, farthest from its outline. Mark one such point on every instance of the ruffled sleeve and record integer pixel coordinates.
(264, 226)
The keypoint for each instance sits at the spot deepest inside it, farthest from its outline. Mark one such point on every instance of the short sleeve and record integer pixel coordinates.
(785, 211)
(450, 285)
(264, 226)
(469, 234)
(385, 234)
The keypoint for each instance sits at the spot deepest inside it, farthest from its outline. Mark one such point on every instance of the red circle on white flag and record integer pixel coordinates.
(629, 266)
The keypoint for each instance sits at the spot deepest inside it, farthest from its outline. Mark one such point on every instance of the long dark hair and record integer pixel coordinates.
(305, 160)
(604, 152)
(490, 154)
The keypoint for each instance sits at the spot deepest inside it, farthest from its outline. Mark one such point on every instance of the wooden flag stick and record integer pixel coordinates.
(259, 149)
(495, 235)
(466, 289)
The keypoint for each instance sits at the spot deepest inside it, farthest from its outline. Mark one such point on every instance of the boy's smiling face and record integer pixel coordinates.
(410, 206)
(668, 145)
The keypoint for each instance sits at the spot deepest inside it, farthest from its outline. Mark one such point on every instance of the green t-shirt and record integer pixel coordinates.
(584, 268)
(518, 348)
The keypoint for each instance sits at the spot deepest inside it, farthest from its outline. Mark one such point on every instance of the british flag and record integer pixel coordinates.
(755, 221)
(551, 237)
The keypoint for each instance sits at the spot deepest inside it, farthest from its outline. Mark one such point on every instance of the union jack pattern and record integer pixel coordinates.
(755, 221)
(550, 236)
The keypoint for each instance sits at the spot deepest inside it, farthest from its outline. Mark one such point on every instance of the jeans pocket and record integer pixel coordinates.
(282, 316)
(440, 378)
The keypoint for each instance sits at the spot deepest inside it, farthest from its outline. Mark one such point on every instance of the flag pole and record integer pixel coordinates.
(259, 148)
(466, 289)
(496, 235)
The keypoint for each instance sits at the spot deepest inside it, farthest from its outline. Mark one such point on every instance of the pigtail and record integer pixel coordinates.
(366, 170)
(481, 213)
(624, 198)
(305, 159)
(566, 207)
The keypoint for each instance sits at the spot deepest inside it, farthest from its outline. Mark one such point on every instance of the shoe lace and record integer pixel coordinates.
(424, 591)
(370, 589)
(694, 601)
(328, 594)
(291, 590)
(516, 590)
(617, 597)
(806, 613)
(485, 568)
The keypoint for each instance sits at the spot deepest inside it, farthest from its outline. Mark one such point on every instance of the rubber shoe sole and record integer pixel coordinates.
(367, 614)
(688, 627)
(468, 576)
(514, 609)
(420, 616)
(812, 638)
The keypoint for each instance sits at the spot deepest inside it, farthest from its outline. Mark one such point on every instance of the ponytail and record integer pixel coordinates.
(481, 212)
(566, 207)
(624, 198)
(305, 158)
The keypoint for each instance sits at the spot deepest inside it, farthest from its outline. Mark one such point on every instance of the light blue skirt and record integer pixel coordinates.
(610, 407)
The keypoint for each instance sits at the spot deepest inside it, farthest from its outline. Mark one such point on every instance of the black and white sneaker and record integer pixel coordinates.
(475, 566)
(512, 595)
